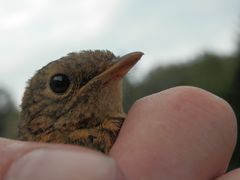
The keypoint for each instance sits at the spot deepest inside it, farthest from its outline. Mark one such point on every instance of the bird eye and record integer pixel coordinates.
(59, 83)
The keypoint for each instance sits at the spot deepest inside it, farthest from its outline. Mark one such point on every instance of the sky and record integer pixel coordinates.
(33, 33)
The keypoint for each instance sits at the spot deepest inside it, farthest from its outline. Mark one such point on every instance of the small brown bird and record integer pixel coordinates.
(77, 100)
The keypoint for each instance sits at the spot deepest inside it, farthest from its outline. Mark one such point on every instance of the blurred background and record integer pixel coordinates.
(185, 43)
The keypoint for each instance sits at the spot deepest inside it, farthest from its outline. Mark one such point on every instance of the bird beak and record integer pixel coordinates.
(121, 66)
(125, 63)
(117, 71)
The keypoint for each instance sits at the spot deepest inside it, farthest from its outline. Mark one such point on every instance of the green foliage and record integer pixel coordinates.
(208, 71)
(238, 45)
(8, 116)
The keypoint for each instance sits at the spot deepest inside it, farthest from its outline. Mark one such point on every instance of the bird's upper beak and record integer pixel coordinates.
(121, 66)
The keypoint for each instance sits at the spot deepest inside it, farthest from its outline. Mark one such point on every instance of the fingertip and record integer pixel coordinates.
(184, 98)
(180, 132)
(25, 160)
(62, 164)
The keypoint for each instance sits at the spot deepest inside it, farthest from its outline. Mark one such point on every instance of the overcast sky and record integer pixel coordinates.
(35, 32)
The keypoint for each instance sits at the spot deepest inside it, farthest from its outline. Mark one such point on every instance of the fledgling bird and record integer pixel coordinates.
(77, 100)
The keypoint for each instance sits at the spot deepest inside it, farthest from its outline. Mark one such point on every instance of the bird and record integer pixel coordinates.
(77, 99)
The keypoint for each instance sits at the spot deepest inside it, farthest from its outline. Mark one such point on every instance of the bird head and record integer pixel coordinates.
(79, 91)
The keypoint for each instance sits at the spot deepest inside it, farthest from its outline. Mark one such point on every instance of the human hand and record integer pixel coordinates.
(180, 133)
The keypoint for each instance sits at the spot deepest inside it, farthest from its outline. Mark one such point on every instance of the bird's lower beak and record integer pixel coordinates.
(121, 66)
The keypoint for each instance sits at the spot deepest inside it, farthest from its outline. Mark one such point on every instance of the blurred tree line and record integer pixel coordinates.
(219, 74)
(8, 115)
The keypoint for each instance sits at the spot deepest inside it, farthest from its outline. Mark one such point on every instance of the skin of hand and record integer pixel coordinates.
(181, 133)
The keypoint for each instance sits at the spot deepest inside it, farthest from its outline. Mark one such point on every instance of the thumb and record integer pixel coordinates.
(23, 161)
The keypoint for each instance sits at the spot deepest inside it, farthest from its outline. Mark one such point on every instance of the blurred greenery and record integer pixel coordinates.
(209, 71)
(219, 74)
(8, 115)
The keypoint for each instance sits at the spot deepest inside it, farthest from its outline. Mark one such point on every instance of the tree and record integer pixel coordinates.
(8, 115)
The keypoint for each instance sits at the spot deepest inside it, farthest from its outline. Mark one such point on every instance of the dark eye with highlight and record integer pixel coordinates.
(59, 83)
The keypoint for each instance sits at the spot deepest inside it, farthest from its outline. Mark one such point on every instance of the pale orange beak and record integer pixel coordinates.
(122, 65)
(117, 71)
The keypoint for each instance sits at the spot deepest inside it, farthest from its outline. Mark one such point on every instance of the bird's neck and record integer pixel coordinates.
(110, 98)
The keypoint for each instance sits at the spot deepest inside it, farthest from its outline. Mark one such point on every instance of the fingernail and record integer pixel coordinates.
(63, 164)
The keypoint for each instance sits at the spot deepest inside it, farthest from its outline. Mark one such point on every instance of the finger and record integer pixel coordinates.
(27, 161)
(232, 175)
(181, 133)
